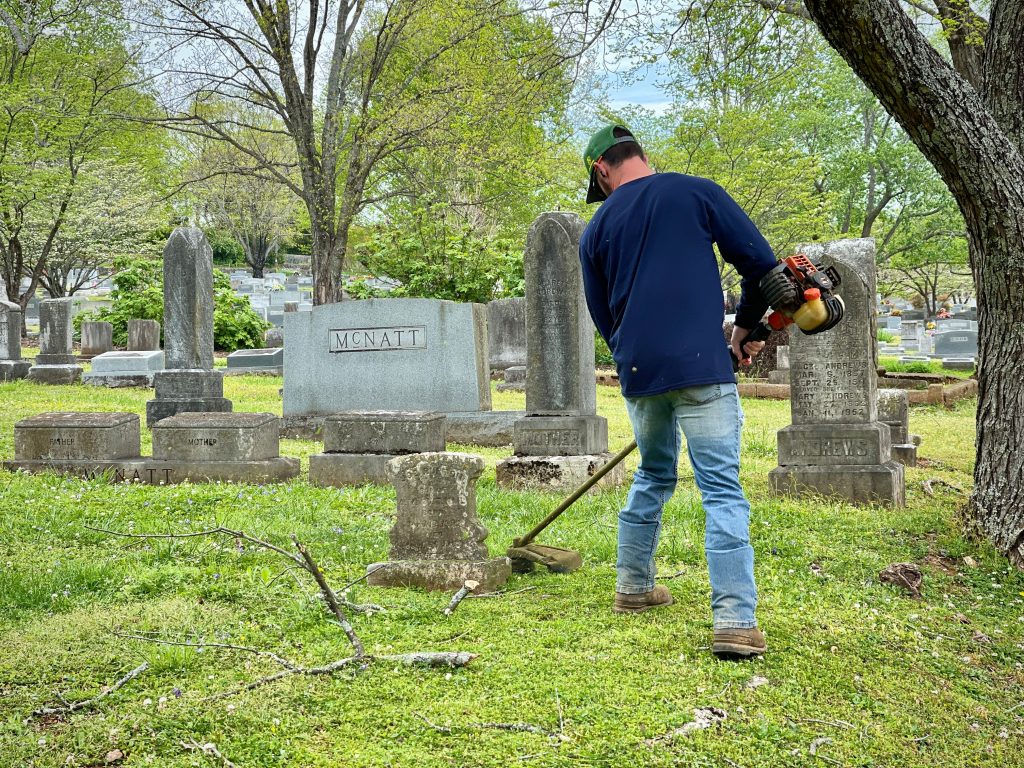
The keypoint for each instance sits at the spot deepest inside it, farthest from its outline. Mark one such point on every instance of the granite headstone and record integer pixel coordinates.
(506, 332)
(143, 335)
(11, 365)
(55, 363)
(189, 384)
(836, 445)
(97, 338)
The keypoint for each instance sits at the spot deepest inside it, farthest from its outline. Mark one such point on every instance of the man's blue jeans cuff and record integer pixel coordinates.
(735, 625)
(626, 589)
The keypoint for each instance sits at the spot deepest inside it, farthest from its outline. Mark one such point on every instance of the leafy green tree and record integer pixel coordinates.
(66, 80)
(138, 294)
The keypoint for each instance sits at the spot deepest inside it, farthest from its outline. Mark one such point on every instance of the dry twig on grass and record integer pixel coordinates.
(929, 484)
(77, 705)
(209, 749)
(305, 561)
(703, 718)
(518, 727)
(459, 596)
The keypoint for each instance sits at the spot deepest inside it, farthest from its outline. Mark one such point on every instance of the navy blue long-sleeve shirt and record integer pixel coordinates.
(652, 281)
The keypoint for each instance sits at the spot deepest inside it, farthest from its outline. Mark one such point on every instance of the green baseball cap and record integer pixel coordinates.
(600, 143)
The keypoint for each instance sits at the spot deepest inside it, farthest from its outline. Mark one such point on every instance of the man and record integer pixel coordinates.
(654, 291)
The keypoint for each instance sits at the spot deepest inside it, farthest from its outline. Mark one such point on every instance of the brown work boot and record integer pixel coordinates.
(656, 598)
(734, 643)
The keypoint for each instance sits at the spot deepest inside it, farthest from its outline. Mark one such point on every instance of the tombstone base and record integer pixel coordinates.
(515, 386)
(116, 381)
(488, 428)
(555, 473)
(11, 370)
(338, 470)
(440, 575)
(778, 376)
(859, 484)
(152, 472)
(905, 454)
(560, 436)
(55, 374)
(269, 371)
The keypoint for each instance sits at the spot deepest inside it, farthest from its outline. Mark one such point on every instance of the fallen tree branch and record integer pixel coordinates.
(517, 727)
(459, 596)
(478, 595)
(207, 749)
(928, 485)
(77, 705)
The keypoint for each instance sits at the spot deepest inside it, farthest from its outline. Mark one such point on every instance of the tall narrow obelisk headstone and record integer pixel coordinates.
(11, 365)
(189, 384)
(55, 363)
(560, 441)
(836, 445)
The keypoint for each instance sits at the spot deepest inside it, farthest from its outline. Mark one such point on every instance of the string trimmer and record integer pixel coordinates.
(525, 554)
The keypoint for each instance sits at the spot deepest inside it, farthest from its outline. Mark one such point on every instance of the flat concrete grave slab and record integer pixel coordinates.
(237, 437)
(555, 473)
(125, 369)
(958, 363)
(152, 472)
(256, 361)
(66, 436)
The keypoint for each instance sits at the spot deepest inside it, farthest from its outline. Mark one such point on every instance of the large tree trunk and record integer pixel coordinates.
(974, 142)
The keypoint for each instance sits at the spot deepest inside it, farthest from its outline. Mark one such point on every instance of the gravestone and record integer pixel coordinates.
(781, 373)
(77, 436)
(125, 369)
(189, 384)
(143, 335)
(515, 379)
(359, 444)
(55, 363)
(11, 365)
(561, 440)
(959, 363)
(506, 333)
(437, 542)
(894, 410)
(291, 306)
(97, 338)
(958, 343)
(273, 338)
(193, 447)
(836, 445)
(386, 354)
(266, 361)
(910, 335)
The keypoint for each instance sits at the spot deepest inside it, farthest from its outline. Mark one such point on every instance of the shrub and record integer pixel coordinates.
(602, 354)
(886, 337)
(138, 294)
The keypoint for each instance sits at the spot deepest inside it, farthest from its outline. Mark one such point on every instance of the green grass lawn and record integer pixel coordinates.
(858, 674)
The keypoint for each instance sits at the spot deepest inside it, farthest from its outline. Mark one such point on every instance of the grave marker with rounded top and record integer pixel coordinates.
(189, 385)
(11, 365)
(836, 446)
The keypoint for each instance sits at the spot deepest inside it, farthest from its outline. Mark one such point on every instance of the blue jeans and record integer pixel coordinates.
(710, 417)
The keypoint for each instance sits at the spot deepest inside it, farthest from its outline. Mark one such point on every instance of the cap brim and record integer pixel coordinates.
(594, 192)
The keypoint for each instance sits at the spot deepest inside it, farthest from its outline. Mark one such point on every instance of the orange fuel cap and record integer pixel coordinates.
(811, 294)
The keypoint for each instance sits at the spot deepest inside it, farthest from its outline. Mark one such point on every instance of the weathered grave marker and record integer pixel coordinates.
(836, 446)
(11, 365)
(97, 338)
(189, 384)
(143, 335)
(437, 542)
(358, 445)
(55, 363)
(561, 440)
(506, 332)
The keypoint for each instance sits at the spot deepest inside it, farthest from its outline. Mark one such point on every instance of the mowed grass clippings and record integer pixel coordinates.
(858, 674)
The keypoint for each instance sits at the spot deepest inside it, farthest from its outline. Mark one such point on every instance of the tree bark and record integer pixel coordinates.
(974, 142)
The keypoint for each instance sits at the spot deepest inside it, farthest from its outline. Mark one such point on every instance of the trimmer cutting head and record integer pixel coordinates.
(555, 559)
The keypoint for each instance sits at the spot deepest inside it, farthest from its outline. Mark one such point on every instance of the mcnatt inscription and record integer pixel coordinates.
(377, 339)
